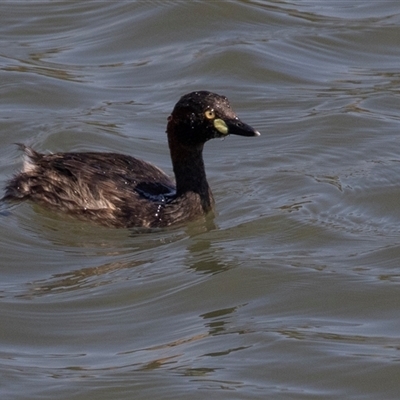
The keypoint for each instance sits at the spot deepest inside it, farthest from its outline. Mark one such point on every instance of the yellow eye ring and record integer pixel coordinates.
(210, 114)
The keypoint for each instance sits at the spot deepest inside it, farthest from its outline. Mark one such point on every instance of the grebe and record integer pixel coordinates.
(118, 190)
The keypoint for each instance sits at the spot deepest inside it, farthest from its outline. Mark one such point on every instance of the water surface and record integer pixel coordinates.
(291, 290)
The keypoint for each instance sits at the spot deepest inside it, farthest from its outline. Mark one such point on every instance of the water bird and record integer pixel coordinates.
(118, 190)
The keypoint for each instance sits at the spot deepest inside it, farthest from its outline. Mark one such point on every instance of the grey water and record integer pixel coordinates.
(291, 291)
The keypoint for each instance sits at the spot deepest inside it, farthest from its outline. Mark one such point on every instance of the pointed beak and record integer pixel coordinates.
(237, 127)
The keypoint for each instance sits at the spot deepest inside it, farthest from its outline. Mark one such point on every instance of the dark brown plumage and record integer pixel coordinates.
(121, 191)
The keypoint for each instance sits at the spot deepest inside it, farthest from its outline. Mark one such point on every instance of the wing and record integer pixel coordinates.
(88, 180)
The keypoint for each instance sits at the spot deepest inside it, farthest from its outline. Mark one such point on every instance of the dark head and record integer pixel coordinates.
(201, 116)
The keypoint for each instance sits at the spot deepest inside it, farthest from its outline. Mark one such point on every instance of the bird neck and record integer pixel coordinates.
(188, 166)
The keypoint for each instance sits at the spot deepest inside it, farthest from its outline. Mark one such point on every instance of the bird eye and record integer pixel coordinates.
(210, 114)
